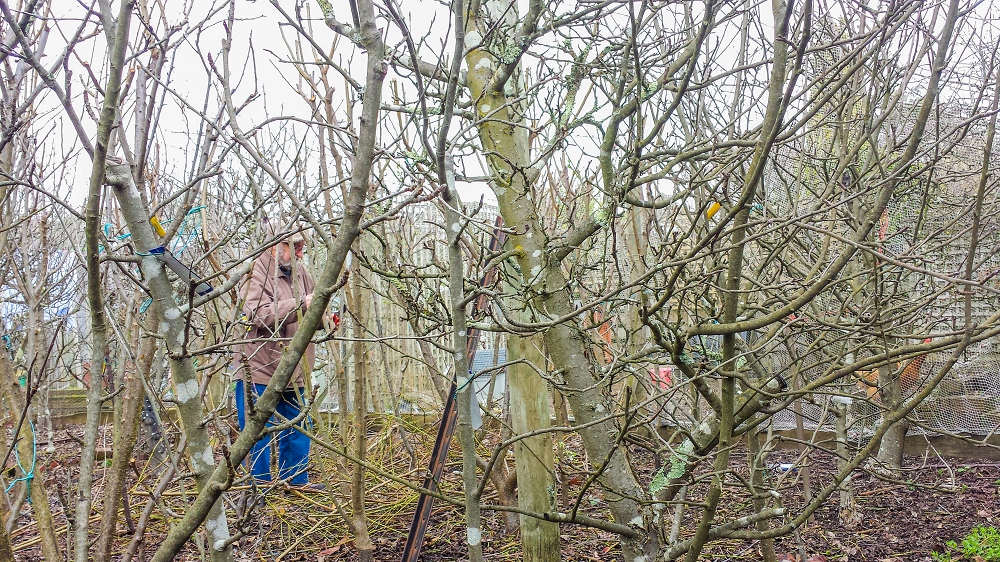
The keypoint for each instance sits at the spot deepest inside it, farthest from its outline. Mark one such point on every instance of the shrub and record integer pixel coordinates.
(982, 544)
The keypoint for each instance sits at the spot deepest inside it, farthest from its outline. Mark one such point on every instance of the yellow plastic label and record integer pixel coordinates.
(712, 209)
(157, 227)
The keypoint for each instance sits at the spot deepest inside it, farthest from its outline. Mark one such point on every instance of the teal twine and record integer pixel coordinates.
(190, 235)
(29, 475)
(180, 235)
(191, 212)
(177, 241)
(145, 305)
(466, 383)
(107, 232)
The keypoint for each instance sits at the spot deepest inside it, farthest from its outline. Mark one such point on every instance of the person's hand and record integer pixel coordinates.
(307, 300)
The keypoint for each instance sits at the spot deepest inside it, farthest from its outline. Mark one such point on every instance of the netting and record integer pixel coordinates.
(924, 236)
(967, 400)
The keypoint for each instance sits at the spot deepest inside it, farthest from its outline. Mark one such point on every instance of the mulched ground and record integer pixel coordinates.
(903, 522)
(898, 522)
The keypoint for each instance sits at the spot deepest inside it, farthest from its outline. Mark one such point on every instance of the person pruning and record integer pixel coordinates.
(276, 295)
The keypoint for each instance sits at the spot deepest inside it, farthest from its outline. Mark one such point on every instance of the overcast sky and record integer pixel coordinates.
(259, 64)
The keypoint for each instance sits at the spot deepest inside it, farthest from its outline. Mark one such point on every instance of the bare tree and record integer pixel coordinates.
(719, 217)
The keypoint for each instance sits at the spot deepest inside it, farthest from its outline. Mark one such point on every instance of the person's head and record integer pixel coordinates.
(294, 245)
(291, 244)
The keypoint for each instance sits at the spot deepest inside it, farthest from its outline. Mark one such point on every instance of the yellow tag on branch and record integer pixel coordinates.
(157, 227)
(712, 209)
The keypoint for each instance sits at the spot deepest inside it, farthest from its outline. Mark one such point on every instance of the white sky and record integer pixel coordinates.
(258, 24)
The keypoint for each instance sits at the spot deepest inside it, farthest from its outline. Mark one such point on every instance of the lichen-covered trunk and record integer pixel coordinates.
(542, 282)
(33, 474)
(6, 552)
(529, 411)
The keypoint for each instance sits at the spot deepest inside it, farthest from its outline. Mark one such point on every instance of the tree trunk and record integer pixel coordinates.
(848, 513)
(6, 552)
(541, 279)
(174, 329)
(800, 434)
(734, 277)
(359, 521)
(533, 458)
(95, 298)
(460, 339)
(758, 466)
(125, 438)
(33, 476)
(890, 451)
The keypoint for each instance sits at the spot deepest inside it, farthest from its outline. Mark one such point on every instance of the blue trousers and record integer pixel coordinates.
(293, 446)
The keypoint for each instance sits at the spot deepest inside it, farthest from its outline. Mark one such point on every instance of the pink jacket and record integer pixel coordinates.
(272, 307)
